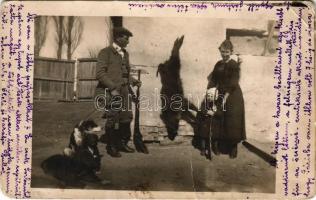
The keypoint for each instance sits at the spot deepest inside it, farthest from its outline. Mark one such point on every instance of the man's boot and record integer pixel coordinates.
(215, 147)
(111, 147)
(125, 135)
(104, 138)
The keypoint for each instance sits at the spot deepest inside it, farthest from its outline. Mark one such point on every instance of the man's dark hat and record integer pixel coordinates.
(119, 31)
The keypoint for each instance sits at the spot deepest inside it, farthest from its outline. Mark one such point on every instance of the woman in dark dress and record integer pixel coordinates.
(227, 121)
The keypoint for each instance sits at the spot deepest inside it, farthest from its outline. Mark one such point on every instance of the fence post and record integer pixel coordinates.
(75, 96)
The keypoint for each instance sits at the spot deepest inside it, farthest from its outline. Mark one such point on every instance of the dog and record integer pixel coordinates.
(89, 153)
(83, 144)
(82, 166)
(78, 134)
(72, 171)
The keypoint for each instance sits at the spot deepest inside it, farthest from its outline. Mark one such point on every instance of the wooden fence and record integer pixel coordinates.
(86, 78)
(53, 79)
(65, 80)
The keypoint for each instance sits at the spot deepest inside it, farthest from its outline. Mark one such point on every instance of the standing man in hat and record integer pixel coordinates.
(113, 74)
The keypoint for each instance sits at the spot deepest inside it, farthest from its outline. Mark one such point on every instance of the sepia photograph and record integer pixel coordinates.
(154, 104)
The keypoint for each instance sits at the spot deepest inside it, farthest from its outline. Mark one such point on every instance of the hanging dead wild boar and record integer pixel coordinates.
(174, 105)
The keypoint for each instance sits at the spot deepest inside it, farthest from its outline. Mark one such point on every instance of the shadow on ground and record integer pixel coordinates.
(167, 168)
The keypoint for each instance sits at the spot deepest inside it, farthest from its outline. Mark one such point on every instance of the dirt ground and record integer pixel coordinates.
(168, 167)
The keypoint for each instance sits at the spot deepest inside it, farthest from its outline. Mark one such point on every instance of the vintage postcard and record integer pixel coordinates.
(158, 99)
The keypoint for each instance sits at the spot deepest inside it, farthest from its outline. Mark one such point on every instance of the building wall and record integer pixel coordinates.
(154, 37)
(152, 42)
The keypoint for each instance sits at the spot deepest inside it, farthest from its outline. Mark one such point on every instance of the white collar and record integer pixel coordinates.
(117, 47)
(227, 60)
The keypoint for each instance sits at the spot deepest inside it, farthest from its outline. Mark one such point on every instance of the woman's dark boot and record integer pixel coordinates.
(203, 146)
(208, 151)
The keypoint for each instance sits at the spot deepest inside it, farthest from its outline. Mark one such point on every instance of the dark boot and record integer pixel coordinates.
(233, 151)
(203, 146)
(113, 151)
(104, 138)
(125, 148)
(111, 147)
(208, 154)
(215, 147)
(125, 135)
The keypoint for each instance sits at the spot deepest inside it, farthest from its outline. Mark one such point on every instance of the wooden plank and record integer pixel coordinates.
(86, 89)
(87, 60)
(53, 60)
(76, 94)
(54, 70)
(54, 79)
(88, 79)
(271, 31)
(86, 69)
(51, 79)
(36, 90)
(70, 72)
(54, 90)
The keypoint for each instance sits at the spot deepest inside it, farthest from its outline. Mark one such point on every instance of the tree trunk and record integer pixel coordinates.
(40, 33)
(70, 26)
(60, 36)
(36, 45)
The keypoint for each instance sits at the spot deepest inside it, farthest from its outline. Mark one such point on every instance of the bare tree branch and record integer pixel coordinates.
(59, 37)
(73, 30)
(93, 52)
(40, 33)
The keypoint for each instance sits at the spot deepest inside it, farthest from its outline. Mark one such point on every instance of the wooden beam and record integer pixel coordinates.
(271, 31)
(265, 156)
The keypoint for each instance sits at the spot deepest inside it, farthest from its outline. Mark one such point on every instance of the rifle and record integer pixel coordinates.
(137, 137)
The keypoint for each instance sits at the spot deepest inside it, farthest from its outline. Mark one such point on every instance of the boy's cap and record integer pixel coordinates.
(119, 31)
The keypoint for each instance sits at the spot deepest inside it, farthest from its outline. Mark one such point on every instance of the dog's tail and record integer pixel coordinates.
(44, 166)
